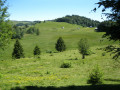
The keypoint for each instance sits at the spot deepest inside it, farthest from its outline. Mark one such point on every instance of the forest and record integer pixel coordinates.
(79, 20)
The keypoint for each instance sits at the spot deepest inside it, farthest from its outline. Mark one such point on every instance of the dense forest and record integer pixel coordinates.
(79, 20)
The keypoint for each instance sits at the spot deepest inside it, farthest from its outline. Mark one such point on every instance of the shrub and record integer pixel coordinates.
(95, 77)
(66, 65)
(48, 51)
(103, 54)
(36, 51)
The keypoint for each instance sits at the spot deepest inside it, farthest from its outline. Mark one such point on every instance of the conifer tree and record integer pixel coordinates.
(36, 51)
(95, 77)
(18, 50)
(60, 45)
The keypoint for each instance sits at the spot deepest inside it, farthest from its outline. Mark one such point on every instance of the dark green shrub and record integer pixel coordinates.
(66, 65)
(36, 51)
(103, 54)
(95, 77)
(17, 51)
(60, 45)
(48, 51)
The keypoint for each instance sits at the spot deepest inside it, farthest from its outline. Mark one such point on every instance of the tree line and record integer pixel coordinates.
(18, 31)
(60, 46)
(79, 20)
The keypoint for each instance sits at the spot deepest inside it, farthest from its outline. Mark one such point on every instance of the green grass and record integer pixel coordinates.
(46, 70)
(50, 32)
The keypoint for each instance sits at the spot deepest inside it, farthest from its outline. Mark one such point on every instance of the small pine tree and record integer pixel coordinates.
(17, 51)
(83, 47)
(36, 51)
(60, 45)
(95, 77)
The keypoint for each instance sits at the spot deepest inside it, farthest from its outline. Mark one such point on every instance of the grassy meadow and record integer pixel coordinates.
(45, 71)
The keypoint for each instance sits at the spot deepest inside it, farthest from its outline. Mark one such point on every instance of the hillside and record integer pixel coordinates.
(79, 20)
(45, 71)
(51, 31)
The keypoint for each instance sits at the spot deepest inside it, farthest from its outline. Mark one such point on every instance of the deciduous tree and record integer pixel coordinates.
(83, 47)
(5, 26)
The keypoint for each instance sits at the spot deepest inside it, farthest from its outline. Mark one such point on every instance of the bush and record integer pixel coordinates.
(36, 51)
(48, 51)
(103, 54)
(66, 65)
(18, 33)
(95, 77)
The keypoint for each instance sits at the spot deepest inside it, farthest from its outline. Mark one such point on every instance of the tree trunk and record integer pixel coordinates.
(83, 56)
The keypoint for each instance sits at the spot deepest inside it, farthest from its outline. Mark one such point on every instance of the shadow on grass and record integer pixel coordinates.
(96, 87)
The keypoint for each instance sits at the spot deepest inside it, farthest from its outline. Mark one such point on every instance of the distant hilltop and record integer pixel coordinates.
(79, 20)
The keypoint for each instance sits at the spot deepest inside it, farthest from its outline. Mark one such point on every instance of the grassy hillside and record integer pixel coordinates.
(46, 71)
(50, 32)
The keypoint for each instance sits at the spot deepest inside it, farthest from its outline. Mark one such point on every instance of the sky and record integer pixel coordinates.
(33, 10)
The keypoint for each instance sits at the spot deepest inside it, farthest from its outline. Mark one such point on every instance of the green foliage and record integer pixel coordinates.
(114, 50)
(5, 26)
(83, 47)
(114, 5)
(79, 20)
(102, 27)
(60, 45)
(48, 51)
(112, 31)
(36, 51)
(95, 77)
(66, 65)
(18, 33)
(33, 30)
(17, 51)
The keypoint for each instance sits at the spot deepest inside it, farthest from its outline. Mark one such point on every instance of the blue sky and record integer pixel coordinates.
(31, 10)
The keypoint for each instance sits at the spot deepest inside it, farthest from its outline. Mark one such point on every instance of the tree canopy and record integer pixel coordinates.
(5, 27)
(83, 47)
(113, 31)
